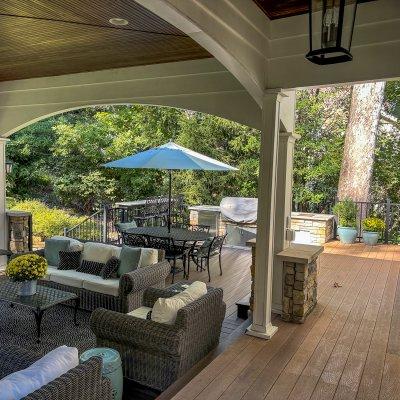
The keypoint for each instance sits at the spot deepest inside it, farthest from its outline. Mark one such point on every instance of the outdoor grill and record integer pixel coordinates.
(239, 215)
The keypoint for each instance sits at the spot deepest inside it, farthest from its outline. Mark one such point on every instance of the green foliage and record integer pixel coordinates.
(392, 97)
(373, 224)
(321, 121)
(77, 148)
(346, 210)
(47, 221)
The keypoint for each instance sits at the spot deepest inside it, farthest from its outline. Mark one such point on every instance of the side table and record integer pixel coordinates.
(112, 367)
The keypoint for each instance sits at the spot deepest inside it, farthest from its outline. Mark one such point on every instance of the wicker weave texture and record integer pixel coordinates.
(83, 382)
(131, 289)
(155, 354)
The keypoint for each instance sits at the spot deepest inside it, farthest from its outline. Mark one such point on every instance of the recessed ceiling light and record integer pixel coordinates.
(118, 21)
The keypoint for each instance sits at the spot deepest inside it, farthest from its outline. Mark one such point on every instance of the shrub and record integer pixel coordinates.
(373, 224)
(47, 221)
(346, 210)
(26, 268)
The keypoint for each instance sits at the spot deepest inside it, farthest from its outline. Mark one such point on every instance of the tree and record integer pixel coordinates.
(321, 119)
(359, 147)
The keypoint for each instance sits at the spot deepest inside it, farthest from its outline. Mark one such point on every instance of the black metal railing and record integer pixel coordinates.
(388, 211)
(100, 226)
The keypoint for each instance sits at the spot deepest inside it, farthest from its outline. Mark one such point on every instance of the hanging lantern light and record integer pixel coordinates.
(9, 167)
(331, 25)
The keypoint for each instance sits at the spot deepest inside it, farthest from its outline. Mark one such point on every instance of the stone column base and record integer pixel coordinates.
(299, 290)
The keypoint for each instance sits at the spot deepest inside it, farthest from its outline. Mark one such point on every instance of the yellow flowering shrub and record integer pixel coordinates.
(27, 267)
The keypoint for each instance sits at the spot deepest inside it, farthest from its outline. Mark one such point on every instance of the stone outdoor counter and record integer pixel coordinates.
(299, 281)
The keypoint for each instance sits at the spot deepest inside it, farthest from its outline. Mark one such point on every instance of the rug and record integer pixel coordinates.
(18, 327)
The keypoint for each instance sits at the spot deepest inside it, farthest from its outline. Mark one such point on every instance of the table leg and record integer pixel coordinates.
(77, 303)
(38, 317)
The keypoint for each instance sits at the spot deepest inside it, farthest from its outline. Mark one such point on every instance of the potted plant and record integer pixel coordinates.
(27, 269)
(346, 211)
(372, 228)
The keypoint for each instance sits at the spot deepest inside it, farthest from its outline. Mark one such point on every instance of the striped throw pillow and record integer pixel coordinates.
(110, 269)
(69, 259)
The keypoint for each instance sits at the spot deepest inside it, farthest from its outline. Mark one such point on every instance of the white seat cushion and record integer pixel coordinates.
(140, 312)
(67, 277)
(166, 310)
(98, 252)
(194, 291)
(148, 257)
(98, 284)
(54, 364)
(50, 268)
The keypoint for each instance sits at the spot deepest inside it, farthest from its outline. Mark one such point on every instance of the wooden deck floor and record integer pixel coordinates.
(349, 347)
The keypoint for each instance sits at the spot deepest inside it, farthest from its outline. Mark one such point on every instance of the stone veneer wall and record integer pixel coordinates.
(320, 230)
(299, 290)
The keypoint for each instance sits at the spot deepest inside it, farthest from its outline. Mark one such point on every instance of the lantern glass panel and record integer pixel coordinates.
(331, 30)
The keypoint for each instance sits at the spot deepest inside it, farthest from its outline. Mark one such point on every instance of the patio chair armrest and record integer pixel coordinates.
(85, 381)
(142, 278)
(126, 330)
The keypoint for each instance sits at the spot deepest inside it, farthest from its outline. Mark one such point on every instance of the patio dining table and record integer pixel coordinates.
(178, 234)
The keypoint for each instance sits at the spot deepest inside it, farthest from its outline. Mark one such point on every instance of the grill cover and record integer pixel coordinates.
(239, 209)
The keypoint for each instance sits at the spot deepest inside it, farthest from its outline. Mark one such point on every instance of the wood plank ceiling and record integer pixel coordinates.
(54, 37)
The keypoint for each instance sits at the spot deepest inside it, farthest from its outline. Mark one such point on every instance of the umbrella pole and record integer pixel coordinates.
(169, 201)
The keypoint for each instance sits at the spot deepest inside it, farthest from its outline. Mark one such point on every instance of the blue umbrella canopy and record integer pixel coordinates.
(170, 156)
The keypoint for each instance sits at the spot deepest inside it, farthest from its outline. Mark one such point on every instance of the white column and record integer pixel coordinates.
(3, 227)
(262, 326)
(283, 210)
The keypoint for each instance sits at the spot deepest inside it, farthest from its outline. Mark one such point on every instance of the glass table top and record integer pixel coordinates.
(45, 297)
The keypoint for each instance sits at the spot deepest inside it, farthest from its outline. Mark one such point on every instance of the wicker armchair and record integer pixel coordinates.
(155, 354)
(82, 382)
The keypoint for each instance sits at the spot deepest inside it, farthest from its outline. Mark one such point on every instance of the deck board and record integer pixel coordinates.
(349, 347)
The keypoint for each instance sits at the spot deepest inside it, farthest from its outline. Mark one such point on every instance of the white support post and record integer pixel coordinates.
(3, 226)
(283, 211)
(262, 326)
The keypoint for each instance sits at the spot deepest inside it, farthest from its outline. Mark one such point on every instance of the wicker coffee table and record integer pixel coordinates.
(44, 299)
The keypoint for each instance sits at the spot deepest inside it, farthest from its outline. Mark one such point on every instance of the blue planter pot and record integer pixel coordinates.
(370, 238)
(347, 235)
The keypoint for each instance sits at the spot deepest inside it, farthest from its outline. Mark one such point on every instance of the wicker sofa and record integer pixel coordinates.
(155, 354)
(82, 382)
(122, 294)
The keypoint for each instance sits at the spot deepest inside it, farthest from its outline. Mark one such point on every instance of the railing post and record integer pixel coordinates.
(65, 231)
(387, 220)
(105, 230)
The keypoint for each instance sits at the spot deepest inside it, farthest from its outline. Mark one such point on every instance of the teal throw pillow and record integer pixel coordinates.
(52, 249)
(128, 259)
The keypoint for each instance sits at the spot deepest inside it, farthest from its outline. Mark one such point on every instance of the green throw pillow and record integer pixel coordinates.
(52, 248)
(128, 259)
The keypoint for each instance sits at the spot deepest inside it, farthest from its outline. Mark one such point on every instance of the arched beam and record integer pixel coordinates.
(203, 85)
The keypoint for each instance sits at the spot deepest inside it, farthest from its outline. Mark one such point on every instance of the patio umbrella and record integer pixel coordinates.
(170, 156)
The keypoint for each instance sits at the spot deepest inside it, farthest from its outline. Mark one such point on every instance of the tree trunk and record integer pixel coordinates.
(359, 146)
